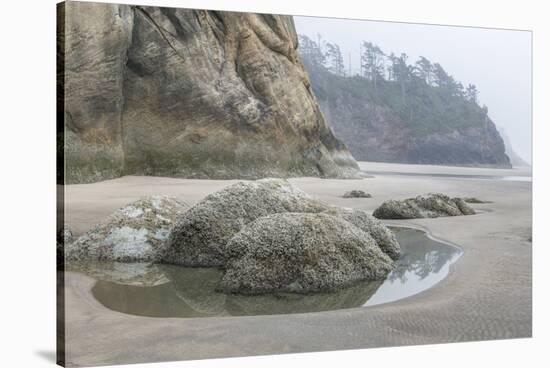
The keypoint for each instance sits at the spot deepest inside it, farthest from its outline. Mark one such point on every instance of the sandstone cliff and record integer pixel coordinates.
(188, 93)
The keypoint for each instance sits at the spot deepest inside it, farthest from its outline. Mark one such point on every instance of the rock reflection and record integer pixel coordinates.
(175, 291)
(130, 274)
(421, 255)
(191, 292)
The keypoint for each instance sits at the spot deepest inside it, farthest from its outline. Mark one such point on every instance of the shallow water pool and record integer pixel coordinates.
(174, 291)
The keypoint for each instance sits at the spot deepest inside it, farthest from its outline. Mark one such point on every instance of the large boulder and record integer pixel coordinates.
(383, 236)
(200, 234)
(188, 93)
(431, 205)
(136, 232)
(301, 252)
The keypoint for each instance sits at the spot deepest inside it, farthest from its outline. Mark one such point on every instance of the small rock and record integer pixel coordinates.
(474, 200)
(136, 232)
(431, 205)
(200, 235)
(301, 253)
(357, 194)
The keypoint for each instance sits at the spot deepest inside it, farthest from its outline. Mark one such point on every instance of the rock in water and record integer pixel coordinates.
(431, 205)
(384, 237)
(136, 232)
(189, 93)
(301, 252)
(356, 194)
(200, 234)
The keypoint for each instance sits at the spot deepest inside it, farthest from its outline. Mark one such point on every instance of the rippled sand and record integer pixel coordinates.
(486, 296)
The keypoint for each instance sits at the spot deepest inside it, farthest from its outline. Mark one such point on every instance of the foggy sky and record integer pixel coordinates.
(498, 62)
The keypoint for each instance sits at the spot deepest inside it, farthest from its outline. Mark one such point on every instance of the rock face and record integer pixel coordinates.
(431, 205)
(136, 232)
(374, 132)
(301, 252)
(356, 194)
(384, 237)
(515, 159)
(200, 234)
(188, 93)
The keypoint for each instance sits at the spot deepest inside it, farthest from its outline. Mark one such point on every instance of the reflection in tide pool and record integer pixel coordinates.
(174, 291)
(423, 263)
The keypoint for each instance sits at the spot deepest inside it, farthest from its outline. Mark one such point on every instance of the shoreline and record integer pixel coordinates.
(486, 295)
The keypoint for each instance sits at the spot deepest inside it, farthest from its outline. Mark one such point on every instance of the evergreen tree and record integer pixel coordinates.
(311, 52)
(471, 93)
(424, 70)
(441, 78)
(333, 57)
(372, 61)
(410, 85)
(392, 59)
(401, 72)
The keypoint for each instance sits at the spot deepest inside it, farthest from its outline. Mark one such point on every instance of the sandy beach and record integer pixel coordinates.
(487, 294)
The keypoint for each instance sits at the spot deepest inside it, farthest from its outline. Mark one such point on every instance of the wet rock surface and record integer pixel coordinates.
(136, 232)
(301, 252)
(431, 205)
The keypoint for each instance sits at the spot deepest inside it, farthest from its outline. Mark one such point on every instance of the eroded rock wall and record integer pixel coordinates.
(190, 93)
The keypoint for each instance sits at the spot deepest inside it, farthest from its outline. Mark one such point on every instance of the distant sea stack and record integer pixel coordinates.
(515, 159)
(392, 111)
(187, 93)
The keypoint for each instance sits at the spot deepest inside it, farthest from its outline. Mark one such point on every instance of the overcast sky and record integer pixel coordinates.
(498, 62)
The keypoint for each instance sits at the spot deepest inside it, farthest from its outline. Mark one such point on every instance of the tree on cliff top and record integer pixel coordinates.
(423, 93)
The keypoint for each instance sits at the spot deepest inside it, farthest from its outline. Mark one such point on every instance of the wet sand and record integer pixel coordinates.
(487, 294)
